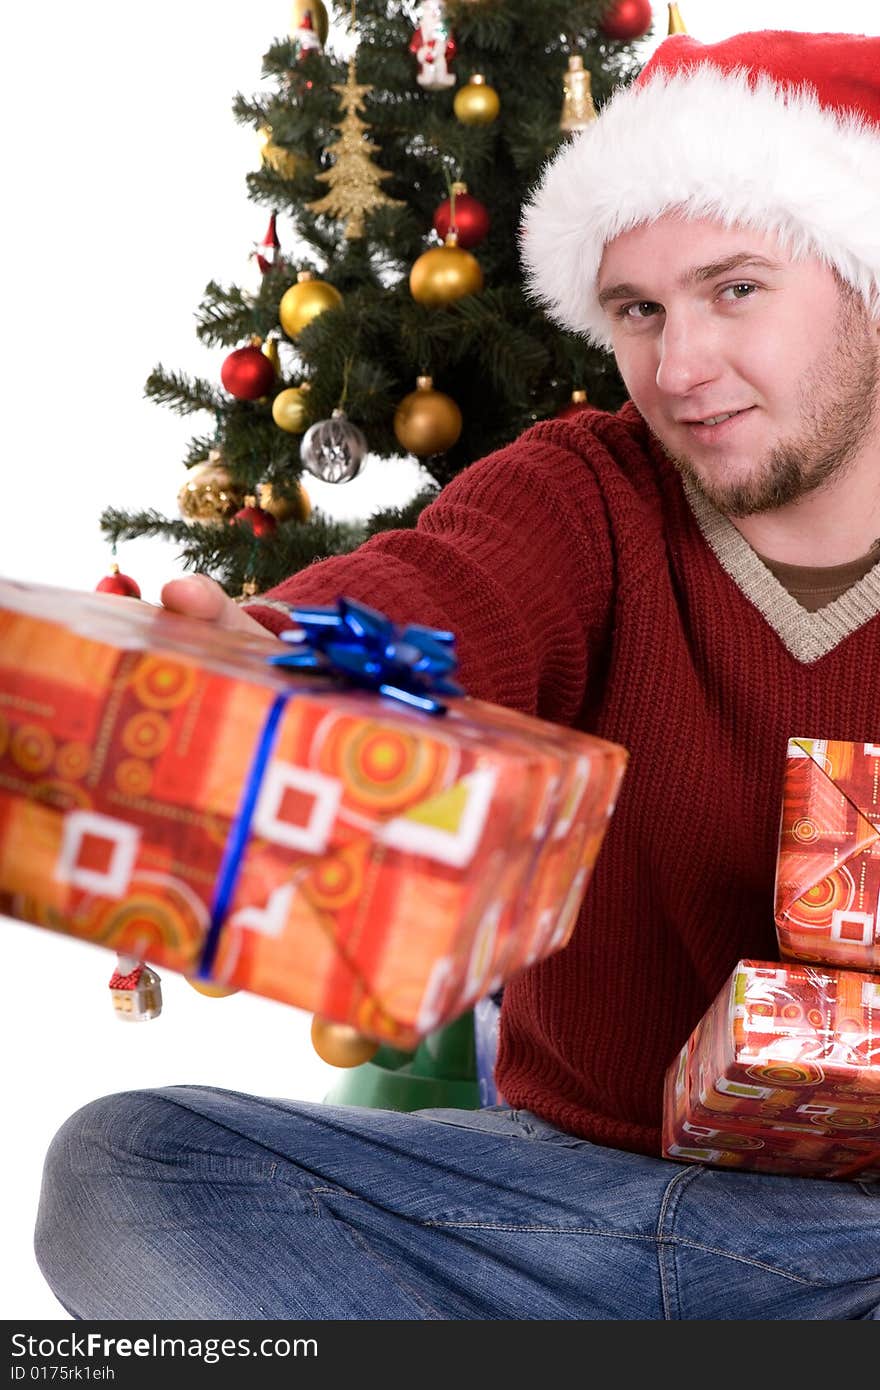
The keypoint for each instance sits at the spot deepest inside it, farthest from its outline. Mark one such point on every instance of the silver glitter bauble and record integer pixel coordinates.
(334, 449)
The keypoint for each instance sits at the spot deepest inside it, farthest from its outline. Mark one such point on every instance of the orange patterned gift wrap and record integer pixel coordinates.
(781, 1075)
(828, 866)
(399, 866)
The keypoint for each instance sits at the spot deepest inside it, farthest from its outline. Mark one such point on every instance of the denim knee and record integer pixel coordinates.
(74, 1216)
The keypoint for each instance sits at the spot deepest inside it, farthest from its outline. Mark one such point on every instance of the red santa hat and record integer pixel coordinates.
(772, 130)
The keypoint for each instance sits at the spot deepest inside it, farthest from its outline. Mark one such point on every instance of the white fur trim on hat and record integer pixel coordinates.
(705, 144)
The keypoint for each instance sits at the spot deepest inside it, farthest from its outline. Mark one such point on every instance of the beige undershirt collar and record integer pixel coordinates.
(808, 636)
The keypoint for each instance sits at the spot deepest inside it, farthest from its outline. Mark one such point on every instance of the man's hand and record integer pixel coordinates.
(197, 596)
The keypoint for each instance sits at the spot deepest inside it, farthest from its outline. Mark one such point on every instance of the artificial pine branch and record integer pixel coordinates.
(250, 110)
(198, 449)
(224, 316)
(182, 393)
(128, 526)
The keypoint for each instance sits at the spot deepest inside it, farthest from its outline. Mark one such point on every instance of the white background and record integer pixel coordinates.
(124, 193)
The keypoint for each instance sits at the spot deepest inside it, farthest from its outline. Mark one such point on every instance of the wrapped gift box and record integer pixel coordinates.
(828, 867)
(397, 867)
(781, 1075)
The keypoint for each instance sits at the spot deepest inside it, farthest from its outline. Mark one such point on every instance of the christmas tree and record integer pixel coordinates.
(400, 141)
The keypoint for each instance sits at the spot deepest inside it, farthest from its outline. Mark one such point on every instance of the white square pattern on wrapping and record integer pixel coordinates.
(325, 793)
(842, 923)
(124, 839)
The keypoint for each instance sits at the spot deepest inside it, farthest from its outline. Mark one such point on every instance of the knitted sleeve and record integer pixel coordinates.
(514, 557)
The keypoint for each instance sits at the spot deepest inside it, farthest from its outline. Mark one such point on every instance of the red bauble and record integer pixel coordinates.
(248, 374)
(471, 220)
(260, 522)
(116, 583)
(626, 19)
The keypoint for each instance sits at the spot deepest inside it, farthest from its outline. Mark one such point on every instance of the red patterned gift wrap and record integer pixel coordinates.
(398, 866)
(781, 1075)
(828, 866)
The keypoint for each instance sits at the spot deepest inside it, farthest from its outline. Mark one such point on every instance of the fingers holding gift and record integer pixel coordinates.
(198, 596)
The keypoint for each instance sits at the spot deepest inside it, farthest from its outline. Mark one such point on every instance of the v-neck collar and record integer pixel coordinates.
(807, 636)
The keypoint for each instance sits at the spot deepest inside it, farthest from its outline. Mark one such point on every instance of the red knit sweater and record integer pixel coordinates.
(585, 585)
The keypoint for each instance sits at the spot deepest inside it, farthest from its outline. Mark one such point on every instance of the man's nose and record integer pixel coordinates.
(687, 355)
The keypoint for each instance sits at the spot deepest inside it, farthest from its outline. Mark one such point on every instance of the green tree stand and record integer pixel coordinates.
(441, 1072)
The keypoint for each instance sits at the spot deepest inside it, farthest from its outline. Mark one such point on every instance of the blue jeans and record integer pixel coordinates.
(193, 1202)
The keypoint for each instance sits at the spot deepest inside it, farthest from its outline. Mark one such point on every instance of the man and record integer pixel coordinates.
(693, 578)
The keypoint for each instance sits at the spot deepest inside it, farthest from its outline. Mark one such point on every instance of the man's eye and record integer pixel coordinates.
(744, 285)
(626, 311)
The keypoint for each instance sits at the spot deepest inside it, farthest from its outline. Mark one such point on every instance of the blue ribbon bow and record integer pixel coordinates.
(365, 648)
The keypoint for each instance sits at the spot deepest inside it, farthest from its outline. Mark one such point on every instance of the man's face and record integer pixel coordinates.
(708, 320)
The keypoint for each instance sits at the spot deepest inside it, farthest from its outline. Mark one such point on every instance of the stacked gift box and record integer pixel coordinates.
(379, 856)
(782, 1074)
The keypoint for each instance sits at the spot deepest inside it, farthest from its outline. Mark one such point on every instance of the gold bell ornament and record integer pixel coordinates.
(290, 408)
(476, 103)
(210, 495)
(444, 274)
(340, 1044)
(427, 421)
(282, 506)
(577, 98)
(304, 301)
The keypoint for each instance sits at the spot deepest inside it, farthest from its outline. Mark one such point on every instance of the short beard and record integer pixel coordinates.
(838, 403)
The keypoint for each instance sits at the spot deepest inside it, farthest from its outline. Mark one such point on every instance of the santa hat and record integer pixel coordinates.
(776, 131)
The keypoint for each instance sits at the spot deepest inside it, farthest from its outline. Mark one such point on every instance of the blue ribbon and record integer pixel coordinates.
(361, 647)
(230, 865)
(365, 648)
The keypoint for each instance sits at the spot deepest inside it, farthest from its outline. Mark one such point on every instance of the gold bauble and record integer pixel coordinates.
(445, 273)
(320, 21)
(209, 988)
(295, 508)
(209, 495)
(276, 157)
(340, 1044)
(290, 409)
(476, 103)
(304, 301)
(427, 421)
